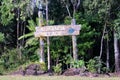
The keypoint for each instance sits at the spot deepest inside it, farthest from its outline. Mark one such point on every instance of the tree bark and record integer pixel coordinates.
(68, 10)
(23, 40)
(116, 51)
(18, 33)
(18, 22)
(101, 47)
(107, 61)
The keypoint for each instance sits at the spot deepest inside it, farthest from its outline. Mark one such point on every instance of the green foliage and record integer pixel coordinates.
(9, 60)
(9, 7)
(57, 11)
(26, 35)
(31, 26)
(2, 37)
(93, 65)
(57, 69)
(30, 50)
(96, 10)
(116, 24)
(67, 59)
(6, 12)
(78, 64)
(60, 49)
(67, 20)
(42, 66)
(92, 14)
(85, 38)
(105, 70)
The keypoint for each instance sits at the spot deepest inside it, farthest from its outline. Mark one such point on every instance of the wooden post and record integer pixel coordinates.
(48, 40)
(74, 42)
(42, 59)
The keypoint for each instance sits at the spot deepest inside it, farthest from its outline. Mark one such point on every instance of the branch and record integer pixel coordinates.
(68, 10)
(78, 4)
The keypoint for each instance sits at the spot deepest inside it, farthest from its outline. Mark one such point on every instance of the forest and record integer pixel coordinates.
(97, 44)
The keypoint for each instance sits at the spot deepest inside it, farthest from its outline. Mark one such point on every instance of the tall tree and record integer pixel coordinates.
(116, 38)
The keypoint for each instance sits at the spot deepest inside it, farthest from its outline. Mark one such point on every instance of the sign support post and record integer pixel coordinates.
(74, 42)
(48, 40)
(42, 59)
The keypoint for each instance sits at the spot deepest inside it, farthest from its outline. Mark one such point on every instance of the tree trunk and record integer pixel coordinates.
(107, 61)
(18, 33)
(101, 47)
(116, 51)
(18, 16)
(23, 40)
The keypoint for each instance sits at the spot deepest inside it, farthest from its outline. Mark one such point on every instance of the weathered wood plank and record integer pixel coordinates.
(55, 33)
(57, 28)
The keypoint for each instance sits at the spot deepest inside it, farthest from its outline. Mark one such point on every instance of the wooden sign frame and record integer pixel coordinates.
(57, 30)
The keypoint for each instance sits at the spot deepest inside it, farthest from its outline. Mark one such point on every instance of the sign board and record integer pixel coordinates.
(57, 30)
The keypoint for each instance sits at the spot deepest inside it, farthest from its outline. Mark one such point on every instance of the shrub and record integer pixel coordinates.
(42, 66)
(93, 65)
(78, 64)
(57, 69)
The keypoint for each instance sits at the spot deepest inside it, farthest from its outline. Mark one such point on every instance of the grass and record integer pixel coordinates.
(54, 78)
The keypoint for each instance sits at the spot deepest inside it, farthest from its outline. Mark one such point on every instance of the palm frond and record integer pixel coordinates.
(26, 35)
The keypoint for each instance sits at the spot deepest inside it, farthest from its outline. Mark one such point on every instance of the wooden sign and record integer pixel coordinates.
(57, 30)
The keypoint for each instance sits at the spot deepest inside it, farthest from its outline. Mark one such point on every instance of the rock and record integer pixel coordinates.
(83, 74)
(71, 72)
(32, 69)
(19, 72)
(95, 75)
(30, 72)
(40, 72)
(32, 66)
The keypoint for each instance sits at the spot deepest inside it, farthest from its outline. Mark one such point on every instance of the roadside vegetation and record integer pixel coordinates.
(97, 44)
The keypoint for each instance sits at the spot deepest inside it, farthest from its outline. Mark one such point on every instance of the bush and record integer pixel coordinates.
(42, 66)
(57, 69)
(10, 59)
(78, 64)
(93, 65)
